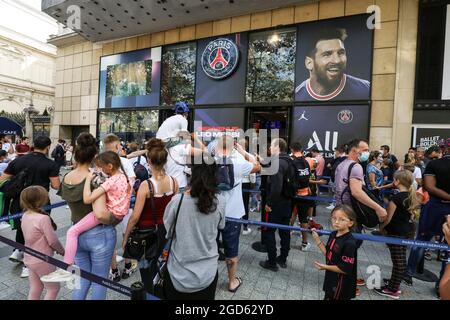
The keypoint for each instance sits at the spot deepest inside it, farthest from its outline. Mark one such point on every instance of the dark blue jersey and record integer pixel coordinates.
(350, 88)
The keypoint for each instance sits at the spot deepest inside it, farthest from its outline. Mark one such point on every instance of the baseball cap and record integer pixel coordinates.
(181, 107)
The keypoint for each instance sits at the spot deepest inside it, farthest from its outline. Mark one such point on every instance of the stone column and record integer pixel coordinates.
(405, 76)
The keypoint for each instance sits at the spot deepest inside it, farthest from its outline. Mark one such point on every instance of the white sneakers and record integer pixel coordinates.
(306, 246)
(331, 207)
(59, 275)
(17, 256)
(4, 225)
(246, 231)
(24, 273)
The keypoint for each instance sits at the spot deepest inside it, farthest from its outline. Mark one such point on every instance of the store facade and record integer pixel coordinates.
(315, 71)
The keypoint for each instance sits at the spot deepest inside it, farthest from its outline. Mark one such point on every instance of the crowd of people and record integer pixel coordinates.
(185, 190)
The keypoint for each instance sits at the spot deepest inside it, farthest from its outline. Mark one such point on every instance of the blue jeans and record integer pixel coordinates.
(94, 255)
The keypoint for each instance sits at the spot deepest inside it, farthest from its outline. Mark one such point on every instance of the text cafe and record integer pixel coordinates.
(311, 81)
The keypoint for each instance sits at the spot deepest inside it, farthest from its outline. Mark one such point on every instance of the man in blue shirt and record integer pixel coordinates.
(327, 62)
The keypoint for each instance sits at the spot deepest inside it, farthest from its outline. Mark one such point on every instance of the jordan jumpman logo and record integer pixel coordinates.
(303, 117)
(219, 59)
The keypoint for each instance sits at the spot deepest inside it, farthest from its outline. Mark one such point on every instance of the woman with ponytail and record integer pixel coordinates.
(151, 201)
(400, 223)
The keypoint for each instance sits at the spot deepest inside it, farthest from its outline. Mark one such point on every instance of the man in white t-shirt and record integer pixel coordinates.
(112, 143)
(174, 124)
(234, 204)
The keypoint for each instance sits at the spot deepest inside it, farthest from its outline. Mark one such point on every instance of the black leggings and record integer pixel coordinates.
(171, 293)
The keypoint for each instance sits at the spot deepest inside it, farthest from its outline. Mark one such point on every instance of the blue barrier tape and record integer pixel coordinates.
(319, 199)
(358, 236)
(20, 214)
(62, 265)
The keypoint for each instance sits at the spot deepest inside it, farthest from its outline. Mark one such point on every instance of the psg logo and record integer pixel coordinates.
(345, 116)
(220, 58)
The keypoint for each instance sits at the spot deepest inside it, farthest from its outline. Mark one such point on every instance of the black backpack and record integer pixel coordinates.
(302, 173)
(225, 175)
(13, 187)
(289, 179)
(140, 171)
(365, 215)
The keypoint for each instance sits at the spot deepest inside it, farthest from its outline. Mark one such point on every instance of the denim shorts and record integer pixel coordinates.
(230, 238)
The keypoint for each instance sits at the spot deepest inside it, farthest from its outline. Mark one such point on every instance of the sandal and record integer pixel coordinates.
(239, 279)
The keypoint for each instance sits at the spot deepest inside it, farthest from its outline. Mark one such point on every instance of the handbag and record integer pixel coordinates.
(144, 242)
(158, 281)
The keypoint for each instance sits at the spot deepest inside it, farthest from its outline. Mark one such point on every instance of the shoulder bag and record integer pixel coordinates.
(158, 281)
(144, 242)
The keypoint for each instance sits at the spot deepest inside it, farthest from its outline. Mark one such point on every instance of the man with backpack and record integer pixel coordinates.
(302, 187)
(349, 181)
(33, 169)
(279, 192)
(234, 208)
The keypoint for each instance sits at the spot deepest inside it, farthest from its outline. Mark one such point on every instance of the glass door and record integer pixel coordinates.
(270, 118)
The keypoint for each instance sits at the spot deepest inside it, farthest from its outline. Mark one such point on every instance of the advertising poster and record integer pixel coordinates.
(130, 79)
(212, 123)
(334, 60)
(427, 137)
(327, 127)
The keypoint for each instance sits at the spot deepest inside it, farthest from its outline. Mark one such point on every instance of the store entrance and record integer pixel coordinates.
(270, 118)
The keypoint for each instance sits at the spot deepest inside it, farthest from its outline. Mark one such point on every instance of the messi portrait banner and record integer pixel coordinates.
(334, 60)
(327, 127)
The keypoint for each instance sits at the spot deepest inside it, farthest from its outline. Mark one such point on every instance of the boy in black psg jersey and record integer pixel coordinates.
(340, 252)
(326, 61)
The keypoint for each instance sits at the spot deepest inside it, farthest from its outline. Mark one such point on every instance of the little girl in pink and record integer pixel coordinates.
(39, 233)
(107, 210)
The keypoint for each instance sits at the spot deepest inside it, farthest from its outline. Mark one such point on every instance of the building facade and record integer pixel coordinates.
(263, 76)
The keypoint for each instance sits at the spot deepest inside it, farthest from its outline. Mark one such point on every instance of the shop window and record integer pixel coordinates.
(271, 66)
(178, 74)
(136, 126)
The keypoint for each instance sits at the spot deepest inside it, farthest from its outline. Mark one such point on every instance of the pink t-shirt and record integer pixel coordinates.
(40, 236)
(117, 195)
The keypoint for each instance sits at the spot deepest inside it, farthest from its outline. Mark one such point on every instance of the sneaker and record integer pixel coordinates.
(315, 225)
(59, 275)
(17, 256)
(331, 207)
(281, 263)
(360, 282)
(127, 272)
(114, 275)
(386, 284)
(246, 231)
(24, 273)
(408, 280)
(388, 293)
(4, 225)
(306, 246)
(268, 266)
